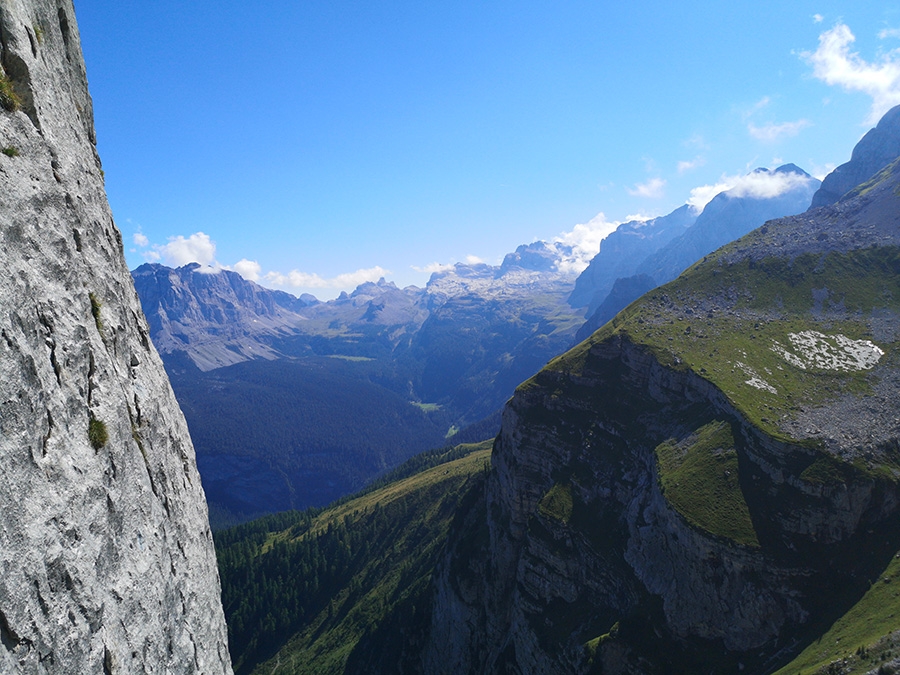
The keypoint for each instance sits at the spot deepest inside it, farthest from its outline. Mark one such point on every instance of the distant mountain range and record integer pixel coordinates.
(262, 375)
(709, 484)
(436, 360)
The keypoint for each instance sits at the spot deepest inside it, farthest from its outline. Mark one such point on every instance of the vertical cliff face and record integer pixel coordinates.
(106, 558)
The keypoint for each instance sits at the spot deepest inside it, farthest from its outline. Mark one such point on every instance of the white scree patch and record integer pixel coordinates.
(815, 350)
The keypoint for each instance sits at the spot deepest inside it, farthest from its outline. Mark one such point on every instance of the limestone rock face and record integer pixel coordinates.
(106, 557)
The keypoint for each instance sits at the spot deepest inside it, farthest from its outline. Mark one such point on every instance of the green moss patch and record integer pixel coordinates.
(699, 477)
(9, 99)
(97, 434)
(557, 503)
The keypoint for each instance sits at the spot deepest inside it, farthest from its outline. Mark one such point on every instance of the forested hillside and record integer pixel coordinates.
(345, 589)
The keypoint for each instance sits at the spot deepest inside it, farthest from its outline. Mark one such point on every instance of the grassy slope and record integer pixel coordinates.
(862, 639)
(700, 479)
(401, 529)
(750, 308)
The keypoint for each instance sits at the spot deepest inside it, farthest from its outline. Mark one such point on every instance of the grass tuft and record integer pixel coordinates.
(557, 503)
(97, 434)
(9, 99)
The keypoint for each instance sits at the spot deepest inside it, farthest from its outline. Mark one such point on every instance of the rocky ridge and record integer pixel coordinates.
(878, 147)
(106, 554)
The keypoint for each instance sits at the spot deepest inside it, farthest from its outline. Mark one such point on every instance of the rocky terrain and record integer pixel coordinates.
(105, 549)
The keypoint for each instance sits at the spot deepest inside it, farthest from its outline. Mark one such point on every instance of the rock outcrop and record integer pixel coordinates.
(106, 557)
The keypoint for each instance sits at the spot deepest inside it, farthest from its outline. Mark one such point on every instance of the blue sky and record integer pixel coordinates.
(314, 145)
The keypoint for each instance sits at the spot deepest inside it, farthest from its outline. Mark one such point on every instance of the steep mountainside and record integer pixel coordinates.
(346, 589)
(877, 148)
(105, 549)
(708, 482)
(730, 215)
(623, 250)
(660, 249)
(215, 318)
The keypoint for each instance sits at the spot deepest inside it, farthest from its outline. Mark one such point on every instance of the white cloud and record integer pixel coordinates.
(687, 165)
(432, 268)
(821, 171)
(703, 194)
(760, 184)
(889, 33)
(652, 189)
(585, 241)
(180, 251)
(835, 64)
(140, 239)
(473, 260)
(348, 280)
(774, 132)
(249, 269)
(756, 107)
(818, 18)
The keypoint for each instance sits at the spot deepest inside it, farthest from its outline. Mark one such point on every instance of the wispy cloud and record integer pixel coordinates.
(835, 64)
(140, 239)
(652, 189)
(298, 279)
(473, 260)
(756, 107)
(818, 18)
(689, 164)
(773, 132)
(889, 33)
(761, 184)
(432, 268)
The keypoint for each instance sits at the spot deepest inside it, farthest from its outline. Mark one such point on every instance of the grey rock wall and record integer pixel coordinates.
(106, 558)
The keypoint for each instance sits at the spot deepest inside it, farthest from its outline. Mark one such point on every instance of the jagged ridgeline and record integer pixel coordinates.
(106, 557)
(709, 484)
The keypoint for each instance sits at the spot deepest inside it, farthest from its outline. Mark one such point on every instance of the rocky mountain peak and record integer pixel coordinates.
(878, 148)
